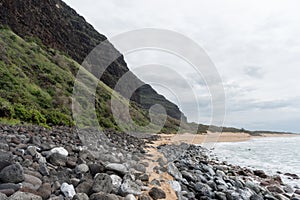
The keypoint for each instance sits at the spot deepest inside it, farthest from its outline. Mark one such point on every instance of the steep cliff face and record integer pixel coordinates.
(58, 26)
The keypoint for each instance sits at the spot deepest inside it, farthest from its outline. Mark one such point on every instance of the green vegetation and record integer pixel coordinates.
(36, 86)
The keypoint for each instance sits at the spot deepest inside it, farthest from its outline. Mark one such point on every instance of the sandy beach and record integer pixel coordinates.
(214, 137)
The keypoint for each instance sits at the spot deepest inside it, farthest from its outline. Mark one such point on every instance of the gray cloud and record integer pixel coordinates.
(254, 72)
(254, 44)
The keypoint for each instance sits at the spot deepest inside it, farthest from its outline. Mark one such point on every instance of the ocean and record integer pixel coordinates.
(271, 154)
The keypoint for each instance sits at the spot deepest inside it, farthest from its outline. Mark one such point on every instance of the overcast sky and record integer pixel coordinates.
(254, 44)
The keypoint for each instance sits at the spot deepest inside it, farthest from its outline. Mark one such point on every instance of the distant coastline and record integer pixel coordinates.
(217, 137)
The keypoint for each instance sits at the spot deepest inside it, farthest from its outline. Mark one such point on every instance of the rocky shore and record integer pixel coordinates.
(67, 163)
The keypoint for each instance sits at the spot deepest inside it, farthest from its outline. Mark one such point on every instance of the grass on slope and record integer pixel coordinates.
(36, 85)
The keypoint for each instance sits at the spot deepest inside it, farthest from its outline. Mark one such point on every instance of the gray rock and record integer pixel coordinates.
(75, 181)
(85, 187)
(67, 190)
(260, 173)
(12, 186)
(43, 169)
(280, 197)
(58, 159)
(45, 191)
(276, 189)
(81, 196)
(175, 186)
(102, 183)
(173, 170)
(103, 196)
(96, 168)
(81, 169)
(246, 193)
(203, 189)
(12, 174)
(31, 150)
(120, 168)
(24, 196)
(155, 182)
(189, 176)
(144, 177)
(157, 193)
(288, 189)
(208, 169)
(252, 186)
(220, 196)
(130, 187)
(140, 168)
(269, 197)
(116, 182)
(35, 140)
(256, 197)
(144, 197)
(6, 159)
(233, 195)
(3, 196)
(130, 197)
(7, 192)
(31, 182)
(59, 150)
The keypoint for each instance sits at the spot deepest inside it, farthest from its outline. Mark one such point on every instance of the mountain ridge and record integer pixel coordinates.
(58, 26)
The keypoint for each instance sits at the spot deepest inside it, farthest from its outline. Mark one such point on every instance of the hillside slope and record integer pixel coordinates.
(58, 26)
(36, 86)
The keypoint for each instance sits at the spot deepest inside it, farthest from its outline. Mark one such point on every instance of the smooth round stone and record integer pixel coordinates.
(12, 174)
(60, 150)
(67, 190)
(81, 169)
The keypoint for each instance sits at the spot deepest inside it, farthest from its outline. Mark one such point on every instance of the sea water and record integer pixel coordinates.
(271, 154)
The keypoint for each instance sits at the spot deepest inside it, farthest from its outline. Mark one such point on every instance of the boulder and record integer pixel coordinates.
(67, 190)
(3, 196)
(175, 185)
(130, 197)
(31, 182)
(173, 170)
(157, 193)
(45, 191)
(58, 159)
(102, 183)
(81, 196)
(260, 173)
(81, 169)
(24, 196)
(116, 182)
(130, 187)
(12, 174)
(85, 187)
(119, 168)
(60, 150)
(103, 196)
(5, 159)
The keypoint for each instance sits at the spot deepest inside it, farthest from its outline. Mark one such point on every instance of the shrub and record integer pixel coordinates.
(55, 117)
(37, 117)
(21, 112)
(6, 109)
